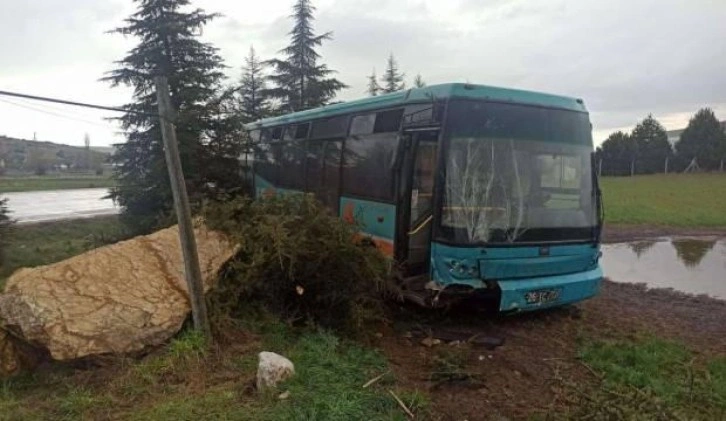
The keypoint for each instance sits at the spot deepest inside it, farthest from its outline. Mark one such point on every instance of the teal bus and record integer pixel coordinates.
(472, 190)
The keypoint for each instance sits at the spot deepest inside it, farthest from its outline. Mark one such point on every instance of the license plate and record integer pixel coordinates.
(542, 296)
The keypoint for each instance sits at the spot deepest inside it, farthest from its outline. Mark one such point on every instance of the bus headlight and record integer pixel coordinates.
(461, 268)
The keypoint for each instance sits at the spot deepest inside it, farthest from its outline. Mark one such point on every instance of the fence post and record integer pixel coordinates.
(666, 165)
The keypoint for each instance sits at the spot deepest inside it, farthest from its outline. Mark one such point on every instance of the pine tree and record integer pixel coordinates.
(253, 102)
(617, 153)
(168, 46)
(703, 139)
(392, 79)
(651, 146)
(418, 82)
(300, 82)
(373, 86)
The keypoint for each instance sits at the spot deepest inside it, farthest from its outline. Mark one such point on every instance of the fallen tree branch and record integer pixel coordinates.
(401, 404)
(375, 379)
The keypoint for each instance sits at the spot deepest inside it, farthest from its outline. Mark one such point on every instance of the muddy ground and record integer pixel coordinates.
(527, 374)
(530, 373)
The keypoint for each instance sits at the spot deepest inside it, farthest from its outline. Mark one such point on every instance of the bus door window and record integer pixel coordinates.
(423, 174)
(422, 186)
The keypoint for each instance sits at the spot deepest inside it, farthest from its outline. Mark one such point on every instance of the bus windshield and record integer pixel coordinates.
(517, 173)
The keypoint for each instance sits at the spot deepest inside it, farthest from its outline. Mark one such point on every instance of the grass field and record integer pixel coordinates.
(655, 377)
(185, 382)
(41, 244)
(51, 182)
(679, 200)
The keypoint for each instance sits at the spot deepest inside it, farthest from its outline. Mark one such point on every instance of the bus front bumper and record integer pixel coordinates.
(551, 291)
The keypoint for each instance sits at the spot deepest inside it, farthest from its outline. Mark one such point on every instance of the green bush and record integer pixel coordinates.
(299, 261)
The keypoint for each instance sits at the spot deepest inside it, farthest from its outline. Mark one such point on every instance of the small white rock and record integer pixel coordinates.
(429, 342)
(273, 369)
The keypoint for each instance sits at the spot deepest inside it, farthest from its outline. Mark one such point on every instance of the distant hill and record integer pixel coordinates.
(28, 156)
(108, 150)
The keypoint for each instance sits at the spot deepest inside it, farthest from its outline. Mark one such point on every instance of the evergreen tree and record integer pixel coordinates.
(703, 139)
(617, 153)
(373, 86)
(418, 82)
(393, 78)
(300, 82)
(5, 223)
(651, 146)
(168, 46)
(253, 102)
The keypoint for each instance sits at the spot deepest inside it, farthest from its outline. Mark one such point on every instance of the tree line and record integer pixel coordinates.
(647, 150)
(210, 111)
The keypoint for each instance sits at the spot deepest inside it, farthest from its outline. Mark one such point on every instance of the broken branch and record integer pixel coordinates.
(401, 404)
(375, 379)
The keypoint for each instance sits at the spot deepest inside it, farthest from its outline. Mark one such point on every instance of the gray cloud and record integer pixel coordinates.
(625, 58)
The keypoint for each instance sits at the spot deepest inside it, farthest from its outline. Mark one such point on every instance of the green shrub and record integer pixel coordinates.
(297, 260)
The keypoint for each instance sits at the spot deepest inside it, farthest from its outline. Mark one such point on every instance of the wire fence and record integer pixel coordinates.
(631, 168)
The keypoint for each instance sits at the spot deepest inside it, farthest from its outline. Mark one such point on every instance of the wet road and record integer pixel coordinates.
(43, 206)
(694, 266)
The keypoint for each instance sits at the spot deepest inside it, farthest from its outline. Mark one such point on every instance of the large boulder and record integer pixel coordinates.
(119, 298)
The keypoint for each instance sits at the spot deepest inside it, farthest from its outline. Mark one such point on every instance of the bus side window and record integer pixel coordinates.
(292, 164)
(331, 128)
(302, 130)
(314, 166)
(266, 162)
(368, 166)
(277, 133)
(290, 132)
(322, 176)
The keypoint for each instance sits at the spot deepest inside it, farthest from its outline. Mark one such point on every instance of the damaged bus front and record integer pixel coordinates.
(518, 213)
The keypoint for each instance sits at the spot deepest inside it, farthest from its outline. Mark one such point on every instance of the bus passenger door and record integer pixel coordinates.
(417, 213)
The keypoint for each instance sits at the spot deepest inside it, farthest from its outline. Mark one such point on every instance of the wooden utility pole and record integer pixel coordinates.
(192, 271)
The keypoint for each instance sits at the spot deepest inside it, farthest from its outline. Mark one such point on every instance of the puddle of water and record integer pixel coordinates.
(694, 266)
(41, 206)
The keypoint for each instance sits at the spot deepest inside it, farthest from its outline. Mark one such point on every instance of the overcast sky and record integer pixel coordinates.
(625, 58)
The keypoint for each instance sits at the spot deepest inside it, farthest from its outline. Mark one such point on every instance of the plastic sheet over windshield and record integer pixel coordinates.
(502, 189)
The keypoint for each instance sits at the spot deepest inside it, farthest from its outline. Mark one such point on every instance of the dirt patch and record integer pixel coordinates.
(621, 233)
(525, 375)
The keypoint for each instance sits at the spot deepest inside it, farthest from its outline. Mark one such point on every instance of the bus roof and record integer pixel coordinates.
(441, 91)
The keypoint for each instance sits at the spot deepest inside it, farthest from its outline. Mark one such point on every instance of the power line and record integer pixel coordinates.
(64, 109)
(40, 110)
(75, 103)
